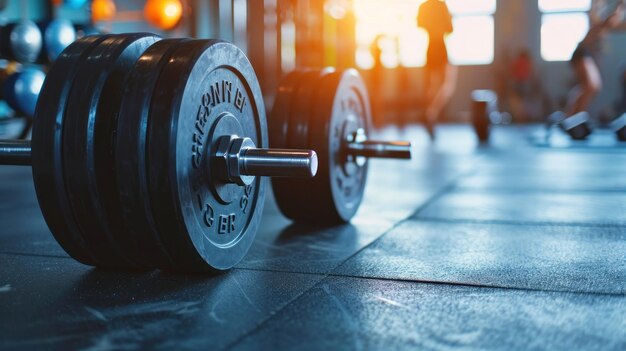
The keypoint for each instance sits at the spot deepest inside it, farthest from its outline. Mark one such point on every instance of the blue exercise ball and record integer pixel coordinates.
(21, 90)
(58, 34)
(22, 41)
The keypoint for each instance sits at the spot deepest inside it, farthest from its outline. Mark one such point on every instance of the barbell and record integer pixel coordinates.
(151, 153)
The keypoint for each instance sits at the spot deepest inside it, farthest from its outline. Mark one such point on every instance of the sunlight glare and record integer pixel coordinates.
(403, 43)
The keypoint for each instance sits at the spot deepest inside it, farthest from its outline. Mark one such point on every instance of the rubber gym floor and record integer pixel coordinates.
(516, 245)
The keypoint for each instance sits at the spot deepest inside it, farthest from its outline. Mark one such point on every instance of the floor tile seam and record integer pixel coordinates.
(596, 150)
(478, 285)
(324, 277)
(432, 219)
(27, 254)
(451, 185)
(533, 190)
(438, 282)
(444, 189)
(276, 312)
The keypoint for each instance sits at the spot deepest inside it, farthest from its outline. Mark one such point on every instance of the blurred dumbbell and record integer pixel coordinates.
(21, 89)
(20, 41)
(577, 125)
(484, 111)
(57, 35)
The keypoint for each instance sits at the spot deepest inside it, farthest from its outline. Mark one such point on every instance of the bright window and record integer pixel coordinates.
(392, 24)
(564, 23)
(564, 5)
(472, 41)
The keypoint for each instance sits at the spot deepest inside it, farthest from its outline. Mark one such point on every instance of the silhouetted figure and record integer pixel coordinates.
(524, 91)
(522, 72)
(376, 79)
(585, 58)
(376, 51)
(440, 76)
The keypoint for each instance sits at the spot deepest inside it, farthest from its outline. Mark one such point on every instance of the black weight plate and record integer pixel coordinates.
(47, 140)
(281, 110)
(131, 151)
(207, 89)
(342, 107)
(88, 161)
(292, 195)
(304, 103)
(298, 127)
(280, 116)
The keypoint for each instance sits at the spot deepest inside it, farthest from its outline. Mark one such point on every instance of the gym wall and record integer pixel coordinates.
(517, 25)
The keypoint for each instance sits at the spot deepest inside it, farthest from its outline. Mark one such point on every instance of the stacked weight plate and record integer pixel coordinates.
(122, 131)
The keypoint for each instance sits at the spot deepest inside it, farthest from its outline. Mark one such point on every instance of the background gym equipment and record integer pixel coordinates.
(577, 125)
(484, 112)
(144, 152)
(328, 112)
(102, 10)
(21, 89)
(163, 14)
(20, 41)
(57, 35)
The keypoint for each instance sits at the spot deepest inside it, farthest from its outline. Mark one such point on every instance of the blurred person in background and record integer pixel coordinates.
(605, 16)
(524, 95)
(376, 78)
(440, 76)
